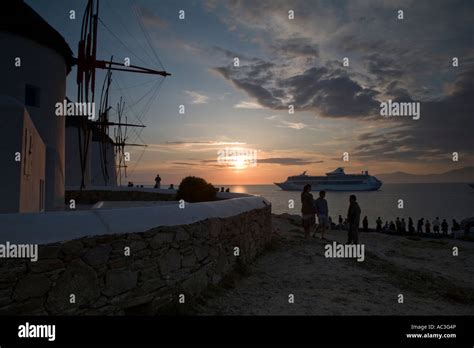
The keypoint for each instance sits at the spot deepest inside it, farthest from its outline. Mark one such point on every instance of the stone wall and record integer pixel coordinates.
(94, 196)
(163, 263)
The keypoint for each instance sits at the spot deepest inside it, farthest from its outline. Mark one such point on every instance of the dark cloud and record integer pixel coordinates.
(445, 127)
(296, 47)
(185, 163)
(405, 61)
(397, 92)
(287, 161)
(383, 67)
(330, 92)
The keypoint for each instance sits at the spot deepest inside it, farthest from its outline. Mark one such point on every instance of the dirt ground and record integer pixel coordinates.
(431, 280)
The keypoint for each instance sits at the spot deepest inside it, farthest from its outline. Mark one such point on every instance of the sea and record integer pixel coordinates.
(443, 200)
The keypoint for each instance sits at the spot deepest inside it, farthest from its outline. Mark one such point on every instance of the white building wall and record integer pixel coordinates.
(40, 67)
(21, 184)
(32, 183)
(73, 161)
(97, 176)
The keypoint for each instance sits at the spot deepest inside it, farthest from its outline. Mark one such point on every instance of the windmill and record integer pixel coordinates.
(87, 63)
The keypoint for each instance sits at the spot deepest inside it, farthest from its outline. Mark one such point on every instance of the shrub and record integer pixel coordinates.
(194, 189)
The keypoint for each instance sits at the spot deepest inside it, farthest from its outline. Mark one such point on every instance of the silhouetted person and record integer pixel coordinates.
(427, 226)
(130, 184)
(227, 190)
(386, 227)
(419, 225)
(365, 224)
(157, 181)
(455, 227)
(444, 227)
(353, 219)
(222, 189)
(436, 225)
(331, 224)
(378, 222)
(398, 226)
(392, 227)
(403, 226)
(171, 187)
(322, 211)
(340, 221)
(411, 227)
(307, 210)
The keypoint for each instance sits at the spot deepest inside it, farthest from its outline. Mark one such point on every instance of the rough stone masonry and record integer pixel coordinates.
(93, 276)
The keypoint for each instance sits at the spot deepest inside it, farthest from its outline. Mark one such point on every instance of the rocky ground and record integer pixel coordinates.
(431, 280)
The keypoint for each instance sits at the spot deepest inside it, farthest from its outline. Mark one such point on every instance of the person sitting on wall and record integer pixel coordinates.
(227, 190)
(171, 187)
(130, 184)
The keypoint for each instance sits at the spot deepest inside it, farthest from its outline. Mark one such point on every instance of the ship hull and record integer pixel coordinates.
(330, 187)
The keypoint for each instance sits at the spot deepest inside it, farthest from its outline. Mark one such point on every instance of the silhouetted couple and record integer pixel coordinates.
(310, 207)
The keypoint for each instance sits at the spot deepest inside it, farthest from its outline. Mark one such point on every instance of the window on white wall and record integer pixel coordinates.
(32, 96)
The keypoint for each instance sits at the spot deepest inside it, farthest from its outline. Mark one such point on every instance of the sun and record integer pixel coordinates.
(240, 162)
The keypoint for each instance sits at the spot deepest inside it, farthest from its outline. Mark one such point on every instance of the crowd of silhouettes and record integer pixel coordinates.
(423, 226)
(401, 226)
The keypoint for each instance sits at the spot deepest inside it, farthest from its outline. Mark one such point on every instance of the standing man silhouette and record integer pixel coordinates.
(353, 219)
(321, 208)
(157, 181)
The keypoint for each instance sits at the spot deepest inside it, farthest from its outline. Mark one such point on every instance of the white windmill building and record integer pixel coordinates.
(34, 63)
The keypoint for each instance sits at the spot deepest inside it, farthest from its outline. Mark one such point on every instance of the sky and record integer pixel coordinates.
(237, 128)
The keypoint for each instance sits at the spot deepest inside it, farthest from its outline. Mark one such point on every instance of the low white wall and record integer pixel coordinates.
(164, 191)
(50, 227)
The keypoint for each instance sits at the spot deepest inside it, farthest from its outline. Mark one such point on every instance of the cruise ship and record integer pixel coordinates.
(336, 180)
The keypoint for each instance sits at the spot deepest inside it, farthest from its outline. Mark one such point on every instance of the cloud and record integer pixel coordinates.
(292, 125)
(272, 117)
(296, 47)
(184, 163)
(248, 105)
(389, 59)
(445, 126)
(325, 91)
(197, 98)
(288, 161)
(200, 143)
